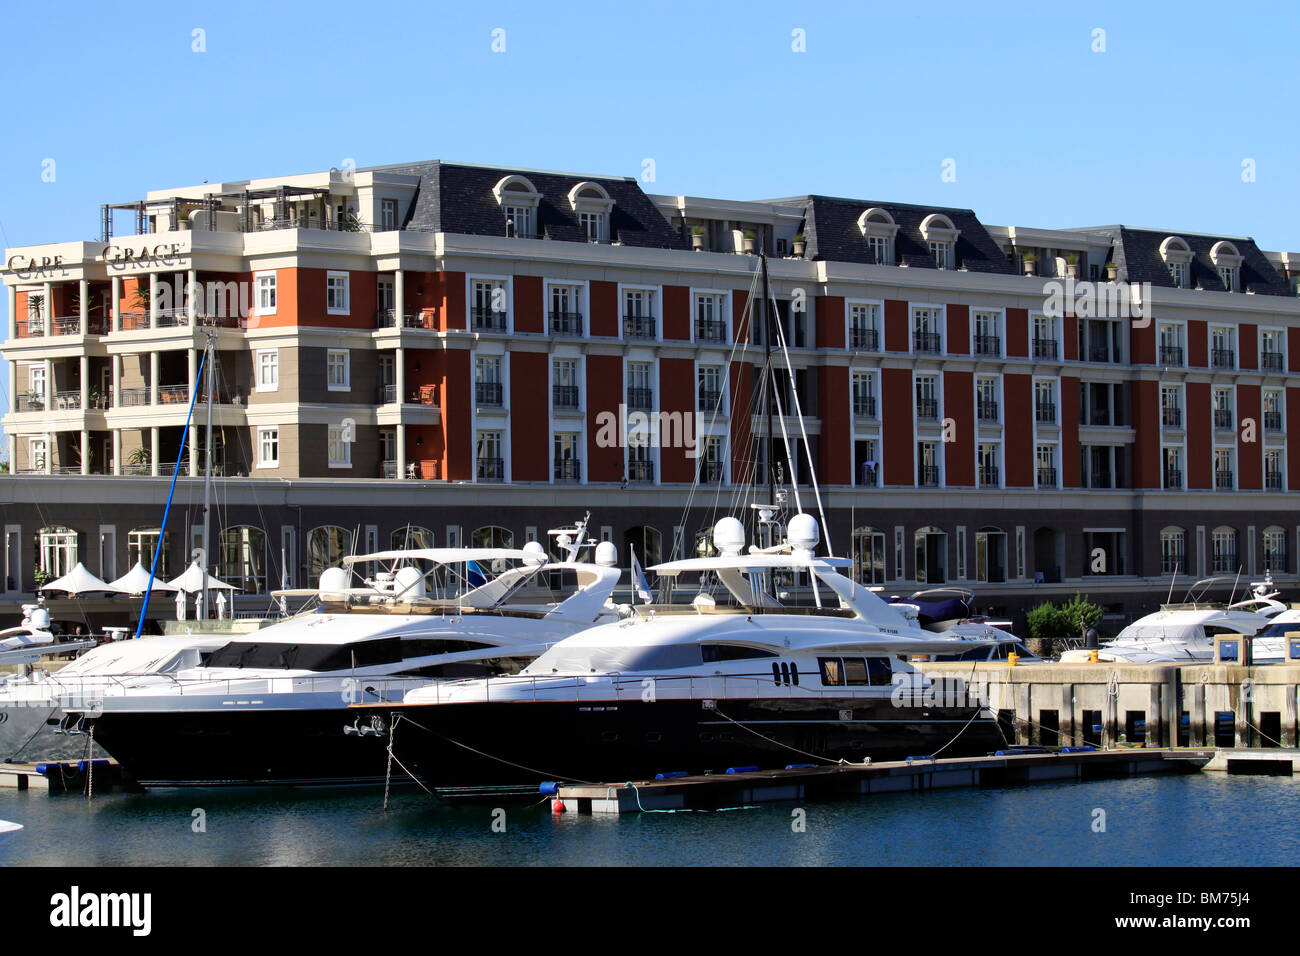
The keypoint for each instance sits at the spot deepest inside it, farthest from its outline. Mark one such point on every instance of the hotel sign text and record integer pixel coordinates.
(163, 253)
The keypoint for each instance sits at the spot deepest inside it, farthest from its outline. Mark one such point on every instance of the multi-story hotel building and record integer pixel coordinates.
(431, 352)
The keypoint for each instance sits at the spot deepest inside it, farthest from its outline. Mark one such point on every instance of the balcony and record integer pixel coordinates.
(927, 342)
(1173, 478)
(386, 395)
(389, 319)
(566, 323)
(1223, 418)
(1046, 477)
(564, 396)
(864, 339)
(1045, 413)
(132, 321)
(1171, 416)
(987, 410)
(487, 319)
(1045, 348)
(1101, 479)
(1273, 480)
(388, 469)
(491, 469)
(988, 345)
(989, 476)
(1271, 361)
(640, 399)
(487, 393)
(134, 397)
(1273, 421)
(1171, 355)
(710, 330)
(710, 400)
(864, 405)
(640, 471)
(347, 224)
(927, 409)
(927, 476)
(1223, 480)
(1223, 358)
(568, 469)
(639, 327)
(1100, 353)
(1173, 562)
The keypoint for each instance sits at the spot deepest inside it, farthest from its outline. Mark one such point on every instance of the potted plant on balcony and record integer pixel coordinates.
(1072, 265)
(697, 239)
(1031, 263)
(1112, 270)
(799, 245)
(748, 243)
(139, 457)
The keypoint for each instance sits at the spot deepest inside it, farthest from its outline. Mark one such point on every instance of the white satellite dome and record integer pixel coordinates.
(606, 554)
(803, 532)
(534, 553)
(40, 619)
(334, 585)
(729, 536)
(408, 583)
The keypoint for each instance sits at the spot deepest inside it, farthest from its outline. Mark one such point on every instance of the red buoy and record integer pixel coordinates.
(557, 807)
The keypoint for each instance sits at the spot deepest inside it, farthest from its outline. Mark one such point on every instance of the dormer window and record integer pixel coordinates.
(518, 199)
(1177, 256)
(941, 237)
(592, 206)
(1227, 260)
(878, 229)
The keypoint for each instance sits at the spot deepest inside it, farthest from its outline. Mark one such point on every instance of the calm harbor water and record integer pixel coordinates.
(1193, 820)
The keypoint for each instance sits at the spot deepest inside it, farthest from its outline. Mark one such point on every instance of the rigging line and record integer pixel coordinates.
(542, 773)
(790, 456)
(779, 744)
(978, 710)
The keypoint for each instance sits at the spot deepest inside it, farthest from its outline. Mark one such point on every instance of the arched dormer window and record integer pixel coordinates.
(1228, 261)
(941, 236)
(1178, 256)
(592, 205)
(878, 229)
(518, 199)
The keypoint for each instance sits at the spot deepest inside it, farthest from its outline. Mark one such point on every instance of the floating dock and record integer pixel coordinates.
(63, 776)
(716, 791)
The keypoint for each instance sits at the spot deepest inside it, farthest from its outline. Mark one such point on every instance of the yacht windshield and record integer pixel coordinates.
(254, 655)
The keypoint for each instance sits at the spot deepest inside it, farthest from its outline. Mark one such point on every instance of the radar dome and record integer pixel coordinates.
(606, 554)
(729, 536)
(334, 585)
(408, 583)
(803, 532)
(534, 553)
(40, 619)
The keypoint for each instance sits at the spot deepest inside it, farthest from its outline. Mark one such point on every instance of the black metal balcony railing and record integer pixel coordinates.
(66, 401)
(928, 476)
(1045, 348)
(1173, 562)
(864, 405)
(488, 319)
(640, 471)
(866, 339)
(925, 341)
(710, 400)
(133, 397)
(711, 472)
(388, 468)
(988, 345)
(987, 410)
(564, 396)
(388, 319)
(1099, 353)
(487, 393)
(1273, 480)
(1046, 477)
(566, 323)
(1173, 478)
(1100, 479)
(347, 224)
(568, 469)
(1271, 361)
(1223, 480)
(639, 326)
(1273, 421)
(1275, 561)
(1223, 418)
(1224, 563)
(1171, 355)
(1045, 413)
(989, 476)
(1222, 358)
(641, 399)
(927, 408)
(491, 469)
(31, 402)
(1171, 416)
(710, 330)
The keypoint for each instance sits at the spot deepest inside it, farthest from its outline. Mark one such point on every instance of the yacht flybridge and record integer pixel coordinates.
(270, 707)
(698, 687)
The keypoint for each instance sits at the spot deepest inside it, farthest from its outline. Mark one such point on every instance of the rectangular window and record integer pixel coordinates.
(990, 456)
(710, 389)
(592, 225)
(338, 370)
(927, 401)
(268, 370)
(1178, 272)
(268, 448)
(925, 331)
(1045, 457)
(521, 221)
(864, 394)
(1224, 477)
(710, 326)
(942, 252)
(489, 458)
(864, 327)
(927, 459)
(988, 340)
(388, 214)
(384, 296)
(568, 456)
(1171, 406)
(266, 293)
(1045, 341)
(488, 305)
(1045, 402)
(986, 399)
(336, 293)
(340, 446)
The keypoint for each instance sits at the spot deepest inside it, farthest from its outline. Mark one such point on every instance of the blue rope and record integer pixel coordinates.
(162, 532)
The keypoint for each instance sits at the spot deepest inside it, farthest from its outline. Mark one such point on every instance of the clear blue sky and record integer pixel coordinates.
(1043, 130)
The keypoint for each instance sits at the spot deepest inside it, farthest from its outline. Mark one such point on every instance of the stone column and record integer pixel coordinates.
(401, 451)
(48, 291)
(153, 451)
(153, 300)
(399, 307)
(85, 383)
(191, 295)
(115, 319)
(117, 381)
(13, 386)
(85, 452)
(117, 449)
(83, 296)
(155, 369)
(194, 430)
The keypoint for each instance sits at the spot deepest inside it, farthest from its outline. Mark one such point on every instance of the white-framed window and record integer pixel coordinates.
(338, 371)
(1223, 550)
(268, 448)
(864, 394)
(521, 220)
(1274, 549)
(1178, 272)
(385, 294)
(566, 310)
(988, 333)
(987, 407)
(942, 252)
(1224, 474)
(1274, 479)
(1173, 551)
(712, 389)
(489, 305)
(36, 386)
(1273, 415)
(927, 397)
(1223, 347)
(37, 448)
(1045, 459)
(1272, 350)
(340, 446)
(1171, 457)
(1046, 344)
(489, 456)
(593, 225)
(878, 229)
(388, 214)
(336, 293)
(710, 319)
(268, 370)
(1171, 406)
(1045, 401)
(864, 326)
(57, 551)
(927, 334)
(265, 293)
(881, 250)
(989, 460)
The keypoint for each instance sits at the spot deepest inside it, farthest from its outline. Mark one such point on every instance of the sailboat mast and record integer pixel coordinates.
(207, 477)
(770, 381)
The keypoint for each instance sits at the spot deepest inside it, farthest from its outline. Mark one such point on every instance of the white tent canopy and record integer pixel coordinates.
(136, 581)
(80, 581)
(191, 582)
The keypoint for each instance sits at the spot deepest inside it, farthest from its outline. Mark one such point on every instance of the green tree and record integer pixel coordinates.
(1080, 614)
